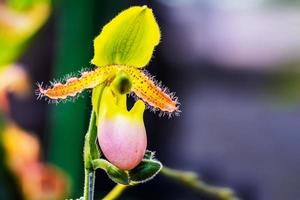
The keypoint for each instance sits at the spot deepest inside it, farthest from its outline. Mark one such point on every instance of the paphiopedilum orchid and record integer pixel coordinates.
(124, 46)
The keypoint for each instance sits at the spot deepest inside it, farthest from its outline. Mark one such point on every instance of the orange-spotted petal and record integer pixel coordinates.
(146, 88)
(143, 86)
(74, 85)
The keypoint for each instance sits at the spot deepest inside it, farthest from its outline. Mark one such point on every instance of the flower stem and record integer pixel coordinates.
(89, 183)
(91, 152)
(191, 180)
(115, 192)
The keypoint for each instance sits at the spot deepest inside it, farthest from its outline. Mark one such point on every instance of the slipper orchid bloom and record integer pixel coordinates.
(124, 46)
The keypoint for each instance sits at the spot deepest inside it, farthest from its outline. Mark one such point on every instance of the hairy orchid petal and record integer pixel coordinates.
(128, 39)
(141, 85)
(74, 85)
(121, 133)
(150, 92)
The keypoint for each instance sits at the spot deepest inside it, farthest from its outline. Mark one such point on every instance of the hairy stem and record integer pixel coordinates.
(91, 152)
(191, 180)
(115, 192)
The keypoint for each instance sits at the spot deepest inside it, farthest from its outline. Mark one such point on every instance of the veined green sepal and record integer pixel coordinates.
(145, 171)
(129, 39)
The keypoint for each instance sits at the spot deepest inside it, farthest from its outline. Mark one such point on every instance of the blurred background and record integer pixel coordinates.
(235, 66)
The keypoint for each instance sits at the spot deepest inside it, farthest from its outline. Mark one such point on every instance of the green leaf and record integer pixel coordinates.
(145, 171)
(129, 39)
(115, 174)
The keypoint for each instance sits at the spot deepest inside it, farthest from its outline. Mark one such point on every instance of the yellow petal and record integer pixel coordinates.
(74, 85)
(129, 39)
(150, 92)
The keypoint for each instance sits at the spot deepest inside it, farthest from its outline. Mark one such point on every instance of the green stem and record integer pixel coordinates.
(91, 152)
(89, 183)
(191, 180)
(91, 149)
(115, 192)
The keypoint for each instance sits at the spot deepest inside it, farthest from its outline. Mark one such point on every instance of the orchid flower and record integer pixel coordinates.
(125, 44)
(121, 51)
(123, 47)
